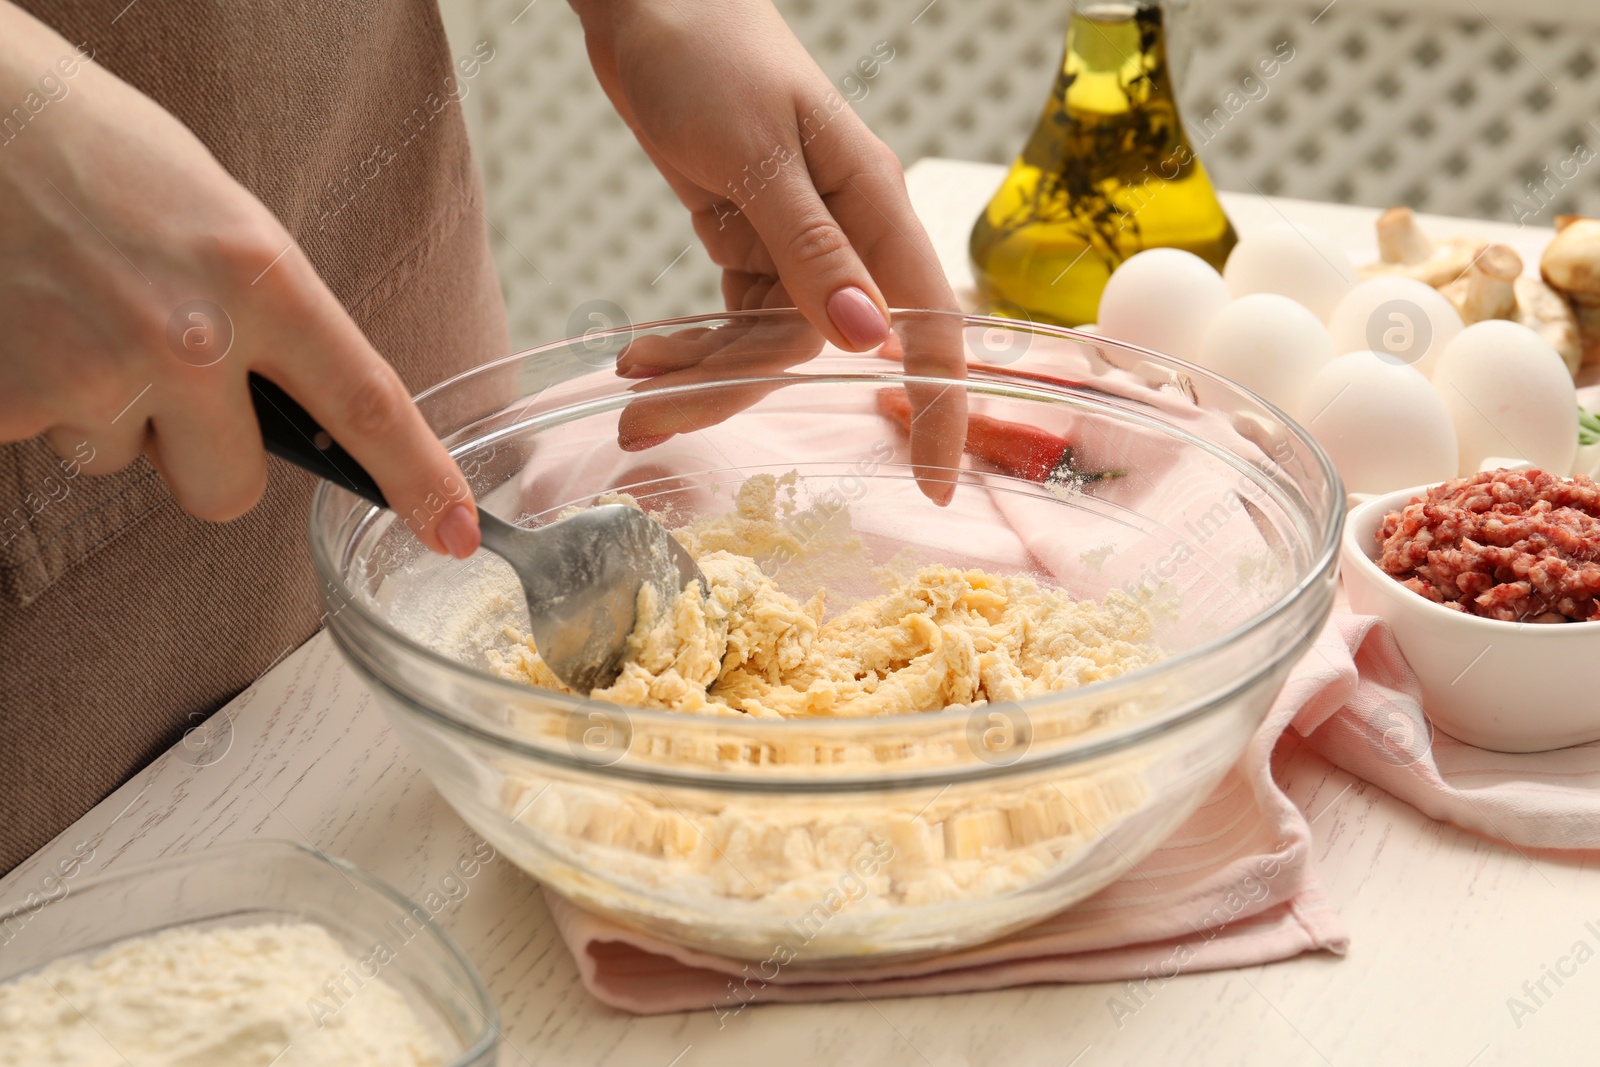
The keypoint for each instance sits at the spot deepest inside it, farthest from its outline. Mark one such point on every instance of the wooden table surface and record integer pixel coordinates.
(1445, 926)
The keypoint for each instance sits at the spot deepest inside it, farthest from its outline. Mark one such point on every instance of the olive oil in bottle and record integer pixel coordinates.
(1107, 172)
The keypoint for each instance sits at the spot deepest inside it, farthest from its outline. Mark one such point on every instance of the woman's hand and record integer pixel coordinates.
(792, 195)
(139, 286)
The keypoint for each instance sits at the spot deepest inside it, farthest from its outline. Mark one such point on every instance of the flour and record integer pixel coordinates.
(224, 997)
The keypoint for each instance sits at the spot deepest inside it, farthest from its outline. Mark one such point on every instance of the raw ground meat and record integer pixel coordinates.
(1523, 546)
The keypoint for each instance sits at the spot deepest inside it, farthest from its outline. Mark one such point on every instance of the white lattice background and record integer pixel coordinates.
(1455, 111)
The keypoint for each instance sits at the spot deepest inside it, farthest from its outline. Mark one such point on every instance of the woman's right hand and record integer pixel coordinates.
(140, 284)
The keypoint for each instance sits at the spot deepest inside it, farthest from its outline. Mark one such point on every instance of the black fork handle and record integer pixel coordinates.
(290, 433)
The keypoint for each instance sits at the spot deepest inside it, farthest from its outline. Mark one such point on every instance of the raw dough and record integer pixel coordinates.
(938, 637)
(944, 638)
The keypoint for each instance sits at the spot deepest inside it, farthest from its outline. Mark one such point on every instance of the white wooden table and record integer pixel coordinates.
(1445, 925)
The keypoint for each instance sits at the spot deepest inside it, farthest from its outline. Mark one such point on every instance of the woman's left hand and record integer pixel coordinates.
(792, 196)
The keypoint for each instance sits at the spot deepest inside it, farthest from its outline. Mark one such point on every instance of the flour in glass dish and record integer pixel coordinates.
(244, 996)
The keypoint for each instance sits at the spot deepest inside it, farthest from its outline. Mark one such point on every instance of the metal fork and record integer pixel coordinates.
(581, 575)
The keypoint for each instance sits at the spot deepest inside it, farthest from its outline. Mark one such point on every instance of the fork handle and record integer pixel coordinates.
(500, 537)
(290, 433)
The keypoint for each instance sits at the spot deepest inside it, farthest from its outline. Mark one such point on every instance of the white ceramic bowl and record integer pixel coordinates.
(1506, 686)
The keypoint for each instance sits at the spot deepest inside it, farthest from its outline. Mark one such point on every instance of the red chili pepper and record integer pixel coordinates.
(1015, 447)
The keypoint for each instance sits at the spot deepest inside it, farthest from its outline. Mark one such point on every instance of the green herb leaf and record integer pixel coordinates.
(1588, 427)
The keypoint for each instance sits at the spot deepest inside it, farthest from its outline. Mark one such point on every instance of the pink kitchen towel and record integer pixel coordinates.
(1234, 886)
(1363, 713)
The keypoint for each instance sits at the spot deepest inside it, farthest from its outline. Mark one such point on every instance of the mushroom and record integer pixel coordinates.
(1571, 266)
(1403, 248)
(1488, 289)
(1495, 288)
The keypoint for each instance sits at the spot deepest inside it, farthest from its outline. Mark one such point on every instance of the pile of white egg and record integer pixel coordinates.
(1382, 372)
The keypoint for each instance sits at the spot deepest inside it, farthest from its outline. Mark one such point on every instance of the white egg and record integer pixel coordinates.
(1163, 299)
(1383, 423)
(1269, 344)
(1397, 317)
(1509, 394)
(1305, 265)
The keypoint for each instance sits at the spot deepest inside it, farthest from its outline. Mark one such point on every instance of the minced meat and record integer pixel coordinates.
(1523, 546)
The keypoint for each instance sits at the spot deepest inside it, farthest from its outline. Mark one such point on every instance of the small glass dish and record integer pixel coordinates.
(252, 883)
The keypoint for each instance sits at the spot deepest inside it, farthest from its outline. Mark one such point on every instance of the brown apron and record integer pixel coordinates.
(122, 619)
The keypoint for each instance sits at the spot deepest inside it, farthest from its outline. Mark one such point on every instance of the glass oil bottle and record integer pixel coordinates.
(1107, 172)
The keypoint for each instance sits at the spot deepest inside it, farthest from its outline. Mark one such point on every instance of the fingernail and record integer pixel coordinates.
(459, 533)
(639, 370)
(639, 444)
(854, 314)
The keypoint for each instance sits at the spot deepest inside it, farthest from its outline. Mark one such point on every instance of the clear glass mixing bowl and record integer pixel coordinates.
(824, 841)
